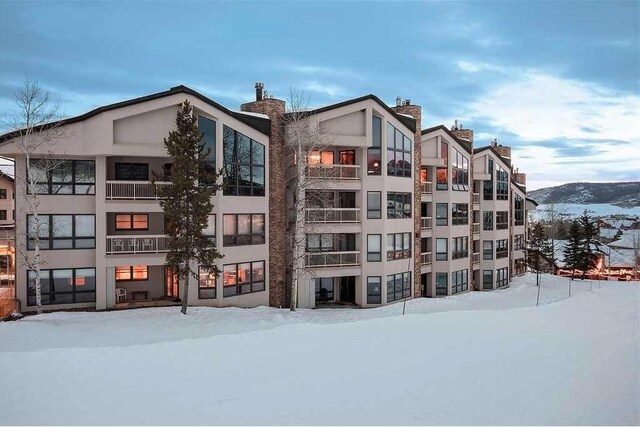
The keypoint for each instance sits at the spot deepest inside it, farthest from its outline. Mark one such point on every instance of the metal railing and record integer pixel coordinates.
(139, 244)
(476, 198)
(426, 223)
(134, 190)
(425, 258)
(347, 172)
(426, 187)
(326, 259)
(476, 258)
(476, 228)
(326, 215)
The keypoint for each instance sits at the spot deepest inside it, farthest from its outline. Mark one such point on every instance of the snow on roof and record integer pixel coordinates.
(262, 116)
(627, 239)
(406, 115)
(608, 233)
(620, 258)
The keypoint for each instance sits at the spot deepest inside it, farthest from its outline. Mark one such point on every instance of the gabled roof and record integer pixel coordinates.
(8, 177)
(531, 201)
(493, 150)
(409, 122)
(260, 124)
(465, 144)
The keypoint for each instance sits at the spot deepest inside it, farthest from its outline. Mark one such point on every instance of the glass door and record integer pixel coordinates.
(171, 285)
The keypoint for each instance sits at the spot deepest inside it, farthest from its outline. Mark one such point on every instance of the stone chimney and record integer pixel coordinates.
(461, 133)
(278, 247)
(503, 150)
(520, 178)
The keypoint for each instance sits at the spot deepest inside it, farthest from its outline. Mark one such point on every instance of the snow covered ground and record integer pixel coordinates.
(476, 358)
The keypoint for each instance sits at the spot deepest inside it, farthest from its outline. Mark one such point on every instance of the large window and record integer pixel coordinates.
(502, 184)
(502, 248)
(502, 277)
(131, 171)
(208, 129)
(459, 281)
(441, 172)
(518, 208)
(398, 246)
(243, 278)
(127, 273)
(320, 242)
(459, 172)
(460, 247)
(52, 176)
(374, 247)
(487, 279)
(398, 153)
(518, 242)
(441, 250)
(374, 204)
(374, 153)
(374, 290)
(3, 193)
(502, 220)
(487, 185)
(244, 161)
(398, 205)
(398, 286)
(3, 214)
(243, 229)
(63, 286)
(487, 249)
(487, 220)
(62, 231)
(442, 214)
(132, 221)
(324, 289)
(459, 214)
(206, 283)
(441, 284)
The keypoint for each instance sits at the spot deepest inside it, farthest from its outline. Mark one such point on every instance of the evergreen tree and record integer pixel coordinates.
(573, 246)
(186, 203)
(538, 249)
(587, 257)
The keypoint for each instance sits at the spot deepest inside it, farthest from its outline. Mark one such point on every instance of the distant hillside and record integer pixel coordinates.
(624, 194)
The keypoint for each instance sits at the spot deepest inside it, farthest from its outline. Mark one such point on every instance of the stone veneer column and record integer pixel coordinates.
(415, 111)
(278, 247)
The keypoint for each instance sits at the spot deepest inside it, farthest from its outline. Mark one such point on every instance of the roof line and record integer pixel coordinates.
(465, 144)
(493, 150)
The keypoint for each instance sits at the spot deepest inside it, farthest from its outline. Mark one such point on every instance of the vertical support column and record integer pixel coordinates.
(103, 293)
(110, 285)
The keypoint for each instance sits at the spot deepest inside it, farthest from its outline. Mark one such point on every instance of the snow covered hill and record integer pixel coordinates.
(475, 358)
(624, 194)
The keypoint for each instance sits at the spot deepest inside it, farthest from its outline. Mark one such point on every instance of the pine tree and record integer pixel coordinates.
(587, 255)
(538, 249)
(187, 202)
(573, 246)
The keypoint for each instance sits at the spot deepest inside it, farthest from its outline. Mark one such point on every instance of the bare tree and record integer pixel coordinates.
(36, 127)
(554, 219)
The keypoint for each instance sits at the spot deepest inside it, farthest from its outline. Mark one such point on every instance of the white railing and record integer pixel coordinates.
(134, 190)
(425, 223)
(476, 258)
(326, 259)
(348, 172)
(476, 198)
(426, 187)
(140, 244)
(325, 215)
(476, 228)
(425, 258)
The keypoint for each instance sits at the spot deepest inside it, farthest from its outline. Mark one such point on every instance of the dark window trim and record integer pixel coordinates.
(238, 286)
(73, 292)
(233, 189)
(115, 218)
(201, 289)
(50, 183)
(132, 166)
(369, 210)
(50, 239)
(404, 291)
(374, 256)
(398, 251)
(373, 298)
(401, 213)
(131, 273)
(258, 236)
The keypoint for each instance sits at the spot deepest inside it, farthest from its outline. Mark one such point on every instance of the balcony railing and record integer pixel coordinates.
(425, 258)
(326, 259)
(140, 244)
(476, 228)
(476, 258)
(426, 187)
(332, 215)
(346, 172)
(476, 198)
(426, 223)
(134, 190)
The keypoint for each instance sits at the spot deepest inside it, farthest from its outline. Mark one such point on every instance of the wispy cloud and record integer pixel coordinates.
(328, 89)
(320, 70)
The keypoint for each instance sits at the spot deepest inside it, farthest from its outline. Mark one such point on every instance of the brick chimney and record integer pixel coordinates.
(520, 178)
(278, 247)
(461, 133)
(503, 150)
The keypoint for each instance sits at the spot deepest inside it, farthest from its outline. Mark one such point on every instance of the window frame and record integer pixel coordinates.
(50, 238)
(440, 209)
(237, 239)
(131, 221)
(235, 166)
(48, 282)
(459, 247)
(50, 166)
(131, 269)
(373, 297)
(204, 276)
(371, 212)
(400, 286)
(397, 244)
(373, 256)
(459, 214)
(399, 152)
(486, 253)
(442, 255)
(403, 198)
(239, 287)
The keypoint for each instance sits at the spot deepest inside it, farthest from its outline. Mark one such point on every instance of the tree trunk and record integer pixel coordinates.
(299, 232)
(185, 292)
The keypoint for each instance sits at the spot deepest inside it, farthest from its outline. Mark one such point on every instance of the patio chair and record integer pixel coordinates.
(132, 245)
(121, 295)
(147, 244)
(117, 245)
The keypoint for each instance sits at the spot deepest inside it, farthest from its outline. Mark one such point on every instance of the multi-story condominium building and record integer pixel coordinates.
(390, 211)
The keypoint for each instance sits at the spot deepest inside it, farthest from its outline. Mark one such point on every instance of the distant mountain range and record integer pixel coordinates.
(623, 194)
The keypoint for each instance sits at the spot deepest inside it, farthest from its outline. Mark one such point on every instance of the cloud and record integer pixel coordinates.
(328, 89)
(317, 70)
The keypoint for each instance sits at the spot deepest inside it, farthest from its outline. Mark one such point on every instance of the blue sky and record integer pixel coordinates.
(558, 81)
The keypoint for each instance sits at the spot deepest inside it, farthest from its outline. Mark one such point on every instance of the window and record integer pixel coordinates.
(208, 129)
(54, 176)
(398, 286)
(131, 171)
(518, 242)
(518, 208)
(398, 205)
(441, 284)
(61, 231)
(63, 286)
(374, 290)
(210, 231)
(460, 247)
(132, 221)
(374, 153)
(320, 158)
(441, 172)
(320, 242)
(128, 273)
(244, 161)
(487, 185)
(459, 213)
(374, 204)
(3, 193)
(502, 249)
(502, 184)
(324, 289)
(459, 172)
(442, 214)
(487, 249)
(425, 245)
(398, 153)
(487, 222)
(398, 246)
(243, 229)
(487, 279)
(502, 277)
(502, 220)
(206, 283)
(243, 278)
(3, 214)
(374, 247)
(441, 249)
(459, 281)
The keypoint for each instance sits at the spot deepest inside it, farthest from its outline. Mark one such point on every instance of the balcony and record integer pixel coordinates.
(476, 258)
(134, 190)
(426, 187)
(426, 223)
(332, 215)
(425, 258)
(140, 244)
(476, 228)
(476, 198)
(329, 259)
(339, 172)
